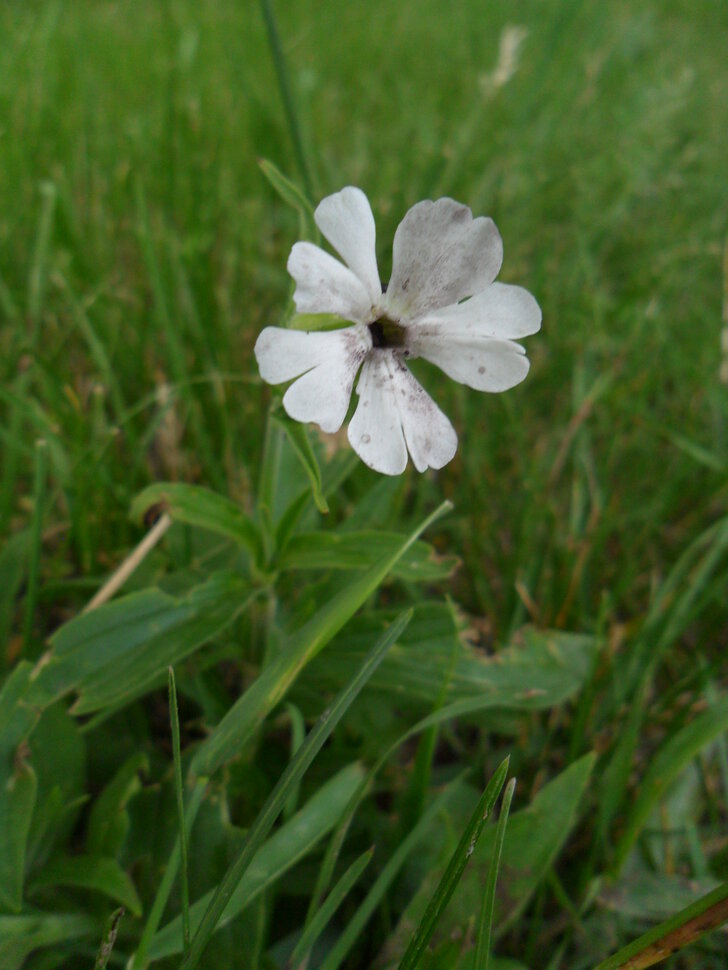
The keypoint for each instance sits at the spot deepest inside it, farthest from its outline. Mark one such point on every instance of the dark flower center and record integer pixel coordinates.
(386, 333)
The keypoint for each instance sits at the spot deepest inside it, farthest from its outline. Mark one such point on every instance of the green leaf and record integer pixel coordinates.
(292, 196)
(18, 715)
(14, 556)
(118, 651)
(485, 927)
(322, 918)
(677, 752)
(286, 784)
(195, 505)
(17, 799)
(356, 924)
(58, 754)
(533, 839)
(359, 550)
(272, 684)
(434, 666)
(301, 443)
(295, 839)
(455, 868)
(18, 783)
(20, 935)
(108, 820)
(99, 874)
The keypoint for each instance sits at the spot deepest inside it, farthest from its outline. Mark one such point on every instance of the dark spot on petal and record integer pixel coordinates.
(405, 284)
(481, 370)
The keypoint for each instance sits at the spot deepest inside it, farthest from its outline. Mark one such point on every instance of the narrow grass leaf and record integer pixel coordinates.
(674, 934)
(13, 568)
(272, 684)
(284, 86)
(107, 944)
(180, 799)
(322, 918)
(298, 436)
(154, 918)
(361, 917)
(39, 266)
(677, 752)
(283, 850)
(36, 539)
(290, 778)
(485, 926)
(195, 505)
(455, 869)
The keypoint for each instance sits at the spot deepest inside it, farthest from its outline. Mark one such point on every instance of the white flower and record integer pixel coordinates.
(441, 304)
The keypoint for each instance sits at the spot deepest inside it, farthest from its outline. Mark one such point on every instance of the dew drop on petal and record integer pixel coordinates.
(365, 439)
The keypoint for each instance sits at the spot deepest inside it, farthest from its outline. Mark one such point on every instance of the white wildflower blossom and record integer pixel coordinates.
(441, 304)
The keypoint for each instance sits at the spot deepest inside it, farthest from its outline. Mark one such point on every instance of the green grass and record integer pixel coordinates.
(141, 252)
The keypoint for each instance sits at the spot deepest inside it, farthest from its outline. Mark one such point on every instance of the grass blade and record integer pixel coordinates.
(107, 944)
(139, 960)
(674, 934)
(356, 925)
(284, 85)
(179, 794)
(39, 485)
(485, 929)
(299, 957)
(455, 869)
(277, 799)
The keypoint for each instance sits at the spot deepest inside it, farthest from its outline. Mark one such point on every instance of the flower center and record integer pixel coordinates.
(386, 333)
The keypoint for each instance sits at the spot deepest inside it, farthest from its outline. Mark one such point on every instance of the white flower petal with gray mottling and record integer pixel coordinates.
(442, 304)
(395, 415)
(325, 364)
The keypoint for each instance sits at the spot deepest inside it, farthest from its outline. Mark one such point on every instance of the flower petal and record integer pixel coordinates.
(500, 310)
(483, 363)
(328, 362)
(324, 285)
(441, 255)
(394, 415)
(346, 220)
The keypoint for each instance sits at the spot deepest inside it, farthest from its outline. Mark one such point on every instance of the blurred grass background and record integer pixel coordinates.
(141, 251)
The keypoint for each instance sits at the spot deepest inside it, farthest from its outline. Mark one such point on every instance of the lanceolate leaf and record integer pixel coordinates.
(432, 658)
(359, 550)
(199, 506)
(98, 873)
(20, 935)
(121, 649)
